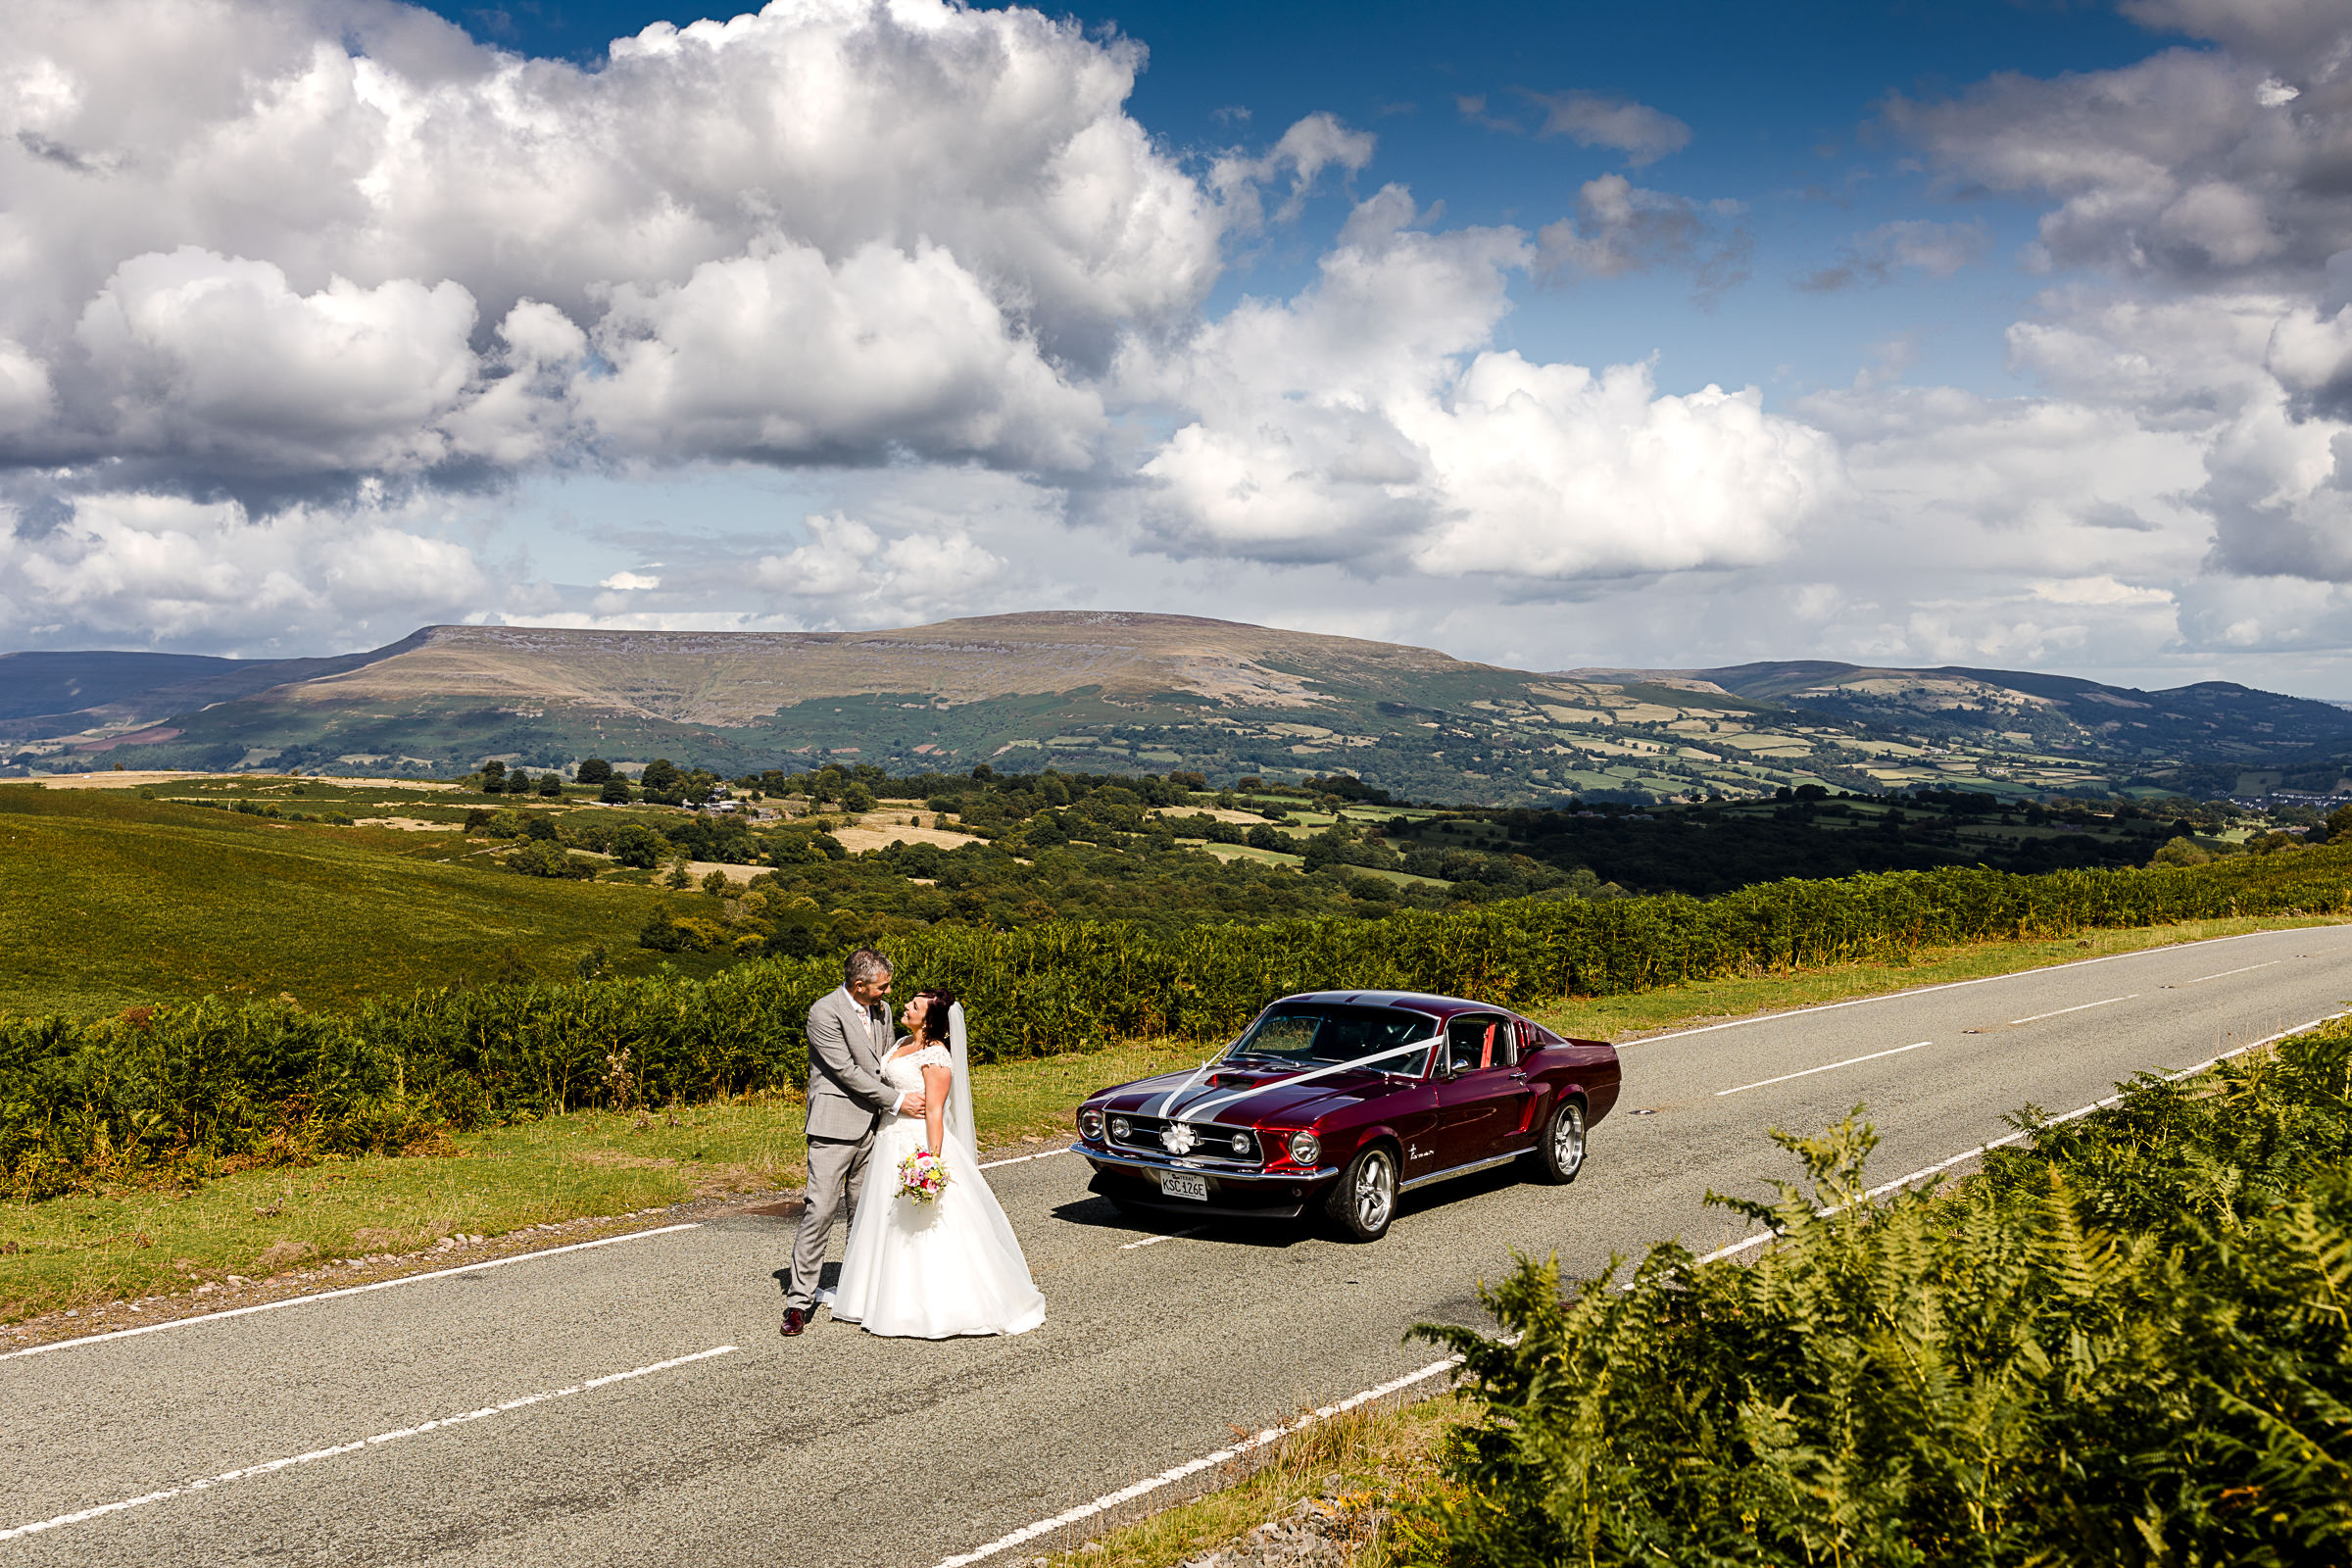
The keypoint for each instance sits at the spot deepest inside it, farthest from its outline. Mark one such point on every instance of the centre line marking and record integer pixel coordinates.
(2079, 1008)
(2226, 973)
(1155, 1241)
(207, 1482)
(1953, 985)
(1811, 1071)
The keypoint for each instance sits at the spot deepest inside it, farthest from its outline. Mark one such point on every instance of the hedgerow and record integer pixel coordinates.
(188, 1087)
(2128, 1344)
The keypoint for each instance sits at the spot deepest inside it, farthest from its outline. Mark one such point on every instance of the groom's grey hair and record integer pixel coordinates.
(865, 966)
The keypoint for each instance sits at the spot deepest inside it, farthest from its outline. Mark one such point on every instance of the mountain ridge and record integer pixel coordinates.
(1137, 691)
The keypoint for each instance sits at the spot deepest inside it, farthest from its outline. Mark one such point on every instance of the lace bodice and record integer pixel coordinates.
(905, 1073)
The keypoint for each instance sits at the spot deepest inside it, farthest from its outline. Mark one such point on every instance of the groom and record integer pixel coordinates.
(849, 1036)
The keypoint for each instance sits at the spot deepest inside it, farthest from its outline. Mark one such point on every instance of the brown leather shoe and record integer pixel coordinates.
(795, 1320)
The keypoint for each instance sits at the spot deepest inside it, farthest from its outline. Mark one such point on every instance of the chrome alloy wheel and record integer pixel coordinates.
(1564, 1143)
(1359, 1206)
(1375, 1194)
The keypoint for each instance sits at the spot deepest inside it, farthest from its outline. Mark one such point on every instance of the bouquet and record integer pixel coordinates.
(923, 1176)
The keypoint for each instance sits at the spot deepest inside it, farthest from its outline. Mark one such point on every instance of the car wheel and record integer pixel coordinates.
(1561, 1154)
(1363, 1200)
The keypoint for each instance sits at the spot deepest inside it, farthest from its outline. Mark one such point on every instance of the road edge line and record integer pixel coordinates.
(348, 1290)
(1942, 1165)
(1193, 1467)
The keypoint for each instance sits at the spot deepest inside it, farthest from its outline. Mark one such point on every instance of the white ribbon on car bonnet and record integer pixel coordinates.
(1201, 1112)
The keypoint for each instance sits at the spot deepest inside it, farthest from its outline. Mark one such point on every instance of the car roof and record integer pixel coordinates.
(1416, 1001)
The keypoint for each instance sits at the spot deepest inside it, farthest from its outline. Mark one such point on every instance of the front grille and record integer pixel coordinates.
(1213, 1143)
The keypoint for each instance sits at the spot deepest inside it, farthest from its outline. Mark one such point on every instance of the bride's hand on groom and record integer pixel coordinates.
(913, 1105)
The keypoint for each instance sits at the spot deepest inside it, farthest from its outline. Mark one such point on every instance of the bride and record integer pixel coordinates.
(952, 1266)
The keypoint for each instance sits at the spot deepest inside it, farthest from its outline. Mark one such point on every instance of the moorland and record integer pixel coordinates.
(1118, 692)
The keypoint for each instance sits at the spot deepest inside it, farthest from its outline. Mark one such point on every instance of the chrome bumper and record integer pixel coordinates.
(1137, 1159)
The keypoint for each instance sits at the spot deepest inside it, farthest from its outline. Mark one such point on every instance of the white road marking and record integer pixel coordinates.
(207, 1482)
(1155, 1241)
(2059, 1012)
(1193, 1467)
(2226, 973)
(1942, 1165)
(348, 1290)
(1811, 1071)
(1950, 985)
(1019, 1160)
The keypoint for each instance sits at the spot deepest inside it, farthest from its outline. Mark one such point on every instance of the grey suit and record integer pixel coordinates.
(847, 1097)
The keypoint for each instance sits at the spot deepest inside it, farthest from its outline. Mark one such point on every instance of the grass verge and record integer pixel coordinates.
(72, 1253)
(1354, 1465)
(75, 1251)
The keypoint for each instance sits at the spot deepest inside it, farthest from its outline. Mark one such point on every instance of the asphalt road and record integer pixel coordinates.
(840, 1448)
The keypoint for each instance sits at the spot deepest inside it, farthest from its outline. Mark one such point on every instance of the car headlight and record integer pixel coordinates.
(1241, 1145)
(1306, 1147)
(1090, 1125)
(1119, 1127)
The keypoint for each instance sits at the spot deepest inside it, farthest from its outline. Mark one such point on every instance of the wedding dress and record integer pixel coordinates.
(936, 1271)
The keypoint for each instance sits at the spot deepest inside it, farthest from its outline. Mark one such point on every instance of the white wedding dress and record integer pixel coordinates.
(936, 1271)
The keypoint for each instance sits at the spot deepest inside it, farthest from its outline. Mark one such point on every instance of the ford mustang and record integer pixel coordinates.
(1338, 1102)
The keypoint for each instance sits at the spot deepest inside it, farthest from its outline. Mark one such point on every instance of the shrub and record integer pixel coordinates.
(184, 1085)
(615, 792)
(544, 857)
(593, 771)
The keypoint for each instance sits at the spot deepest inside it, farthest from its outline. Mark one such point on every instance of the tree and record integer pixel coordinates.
(680, 877)
(857, 798)
(593, 771)
(639, 846)
(2181, 852)
(716, 883)
(661, 779)
(551, 785)
(615, 792)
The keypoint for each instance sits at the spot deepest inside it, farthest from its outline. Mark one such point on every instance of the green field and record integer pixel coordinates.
(109, 902)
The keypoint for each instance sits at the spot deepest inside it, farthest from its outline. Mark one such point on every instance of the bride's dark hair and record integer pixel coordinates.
(935, 1016)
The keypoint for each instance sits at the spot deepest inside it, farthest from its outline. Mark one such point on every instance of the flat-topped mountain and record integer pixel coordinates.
(1114, 691)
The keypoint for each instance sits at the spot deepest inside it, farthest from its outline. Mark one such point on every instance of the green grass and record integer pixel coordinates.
(80, 1250)
(107, 902)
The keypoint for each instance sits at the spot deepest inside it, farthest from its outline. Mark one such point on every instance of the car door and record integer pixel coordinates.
(1483, 1097)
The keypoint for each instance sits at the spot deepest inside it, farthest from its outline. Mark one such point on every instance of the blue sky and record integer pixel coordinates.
(1678, 334)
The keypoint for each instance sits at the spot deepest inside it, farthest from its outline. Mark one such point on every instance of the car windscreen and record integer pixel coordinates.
(1319, 1033)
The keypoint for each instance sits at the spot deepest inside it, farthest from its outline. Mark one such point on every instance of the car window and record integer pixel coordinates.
(1331, 1031)
(1478, 1040)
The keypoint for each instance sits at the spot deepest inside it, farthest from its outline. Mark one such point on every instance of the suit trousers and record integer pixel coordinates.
(836, 1170)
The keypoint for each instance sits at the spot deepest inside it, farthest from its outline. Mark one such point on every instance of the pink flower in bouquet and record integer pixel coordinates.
(923, 1176)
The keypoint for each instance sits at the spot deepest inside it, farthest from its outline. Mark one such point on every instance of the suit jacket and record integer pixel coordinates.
(846, 1046)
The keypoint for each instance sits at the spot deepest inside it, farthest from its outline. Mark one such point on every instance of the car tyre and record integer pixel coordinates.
(1561, 1153)
(1363, 1200)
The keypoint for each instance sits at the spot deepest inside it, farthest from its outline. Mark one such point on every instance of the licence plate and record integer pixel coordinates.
(1175, 1184)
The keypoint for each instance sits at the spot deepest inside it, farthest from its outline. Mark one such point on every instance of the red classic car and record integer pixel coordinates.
(1342, 1100)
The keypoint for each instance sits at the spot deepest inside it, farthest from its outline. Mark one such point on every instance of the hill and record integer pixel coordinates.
(1121, 692)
